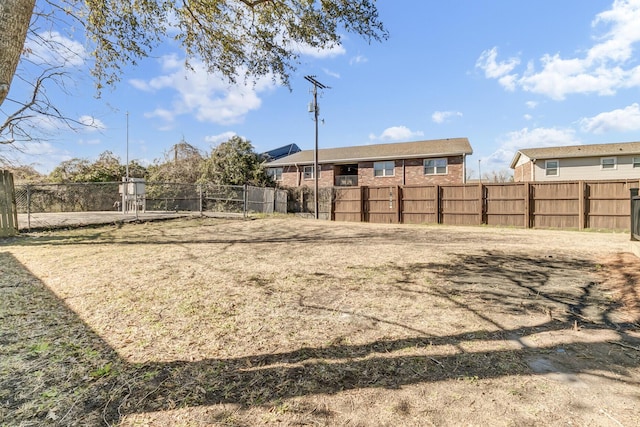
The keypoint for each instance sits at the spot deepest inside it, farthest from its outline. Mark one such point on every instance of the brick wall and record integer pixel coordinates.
(409, 172)
(522, 173)
(294, 177)
(413, 172)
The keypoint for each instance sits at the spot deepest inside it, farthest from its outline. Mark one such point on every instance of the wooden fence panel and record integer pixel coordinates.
(8, 209)
(556, 205)
(568, 205)
(347, 204)
(461, 205)
(608, 204)
(382, 204)
(420, 205)
(506, 204)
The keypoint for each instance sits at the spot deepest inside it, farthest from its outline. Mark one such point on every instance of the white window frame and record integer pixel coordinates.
(608, 163)
(557, 168)
(382, 169)
(307, 172)
(635, 162)
(434, 166)
(275, 173)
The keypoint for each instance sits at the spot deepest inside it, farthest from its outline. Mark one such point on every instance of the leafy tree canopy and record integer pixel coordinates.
(235, 163)
(107, 168)
(182, 163)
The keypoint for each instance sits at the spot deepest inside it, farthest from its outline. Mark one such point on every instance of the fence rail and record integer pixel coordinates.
(8, 211)
(566, 205)
(151, 197)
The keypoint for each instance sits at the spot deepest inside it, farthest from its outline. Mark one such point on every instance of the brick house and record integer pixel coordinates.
(578, 162)
(440, 161)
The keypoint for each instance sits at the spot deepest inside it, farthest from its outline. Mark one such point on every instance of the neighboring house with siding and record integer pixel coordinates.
(578, 162)
(440, 161)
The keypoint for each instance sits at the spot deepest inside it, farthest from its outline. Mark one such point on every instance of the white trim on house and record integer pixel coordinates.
(307, 172)
(384, 169)
(548, 169)
(608, 163)
(435, 166)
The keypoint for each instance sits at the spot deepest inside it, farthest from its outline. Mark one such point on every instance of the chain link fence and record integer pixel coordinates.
(142, 198)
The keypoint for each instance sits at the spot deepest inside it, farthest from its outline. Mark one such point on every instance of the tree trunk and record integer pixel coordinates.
(15, 16)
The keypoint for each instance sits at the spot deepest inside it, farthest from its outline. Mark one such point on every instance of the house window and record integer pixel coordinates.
(636, 162)
(608, 163)
(435, 166)
(275, 174)
(383, 168)
(307, 172)
(552, 167)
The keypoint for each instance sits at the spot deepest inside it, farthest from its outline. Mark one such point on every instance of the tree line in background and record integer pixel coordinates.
(233, 162)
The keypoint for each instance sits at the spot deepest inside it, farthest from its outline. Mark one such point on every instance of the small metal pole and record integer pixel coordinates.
(28, 207)
(244, 199)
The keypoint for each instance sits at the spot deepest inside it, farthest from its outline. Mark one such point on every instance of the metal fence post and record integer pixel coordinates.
(200, 193)
(28, 207)
(244, 207)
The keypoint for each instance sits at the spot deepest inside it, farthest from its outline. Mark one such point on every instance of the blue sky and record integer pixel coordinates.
(505, 74)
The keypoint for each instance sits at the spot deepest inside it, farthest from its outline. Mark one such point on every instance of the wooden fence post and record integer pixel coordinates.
(481, 202)
(527, 205)
(363, 204)
(582, 205)
(8, 207)
(438, 205)
(398, 204)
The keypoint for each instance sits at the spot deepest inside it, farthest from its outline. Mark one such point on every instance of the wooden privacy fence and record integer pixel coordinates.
(8, 211)
(572, 205)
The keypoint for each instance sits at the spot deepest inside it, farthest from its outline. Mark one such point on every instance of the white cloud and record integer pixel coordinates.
(53, 49)
(358, 59)
(443, 116)
(531, 104)
(493, 69)
(331, 73)
(164, 114)
(527, 117)
(621, 120)
(209, 97)
(314, 52)
(217, 139)
(396, 133)
(527, 138)
(43, 156)
(604, 69)
(92, 124)
(140, 85)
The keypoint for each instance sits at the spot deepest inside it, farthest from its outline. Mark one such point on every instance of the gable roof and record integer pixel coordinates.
(395, 151)
(570, 151)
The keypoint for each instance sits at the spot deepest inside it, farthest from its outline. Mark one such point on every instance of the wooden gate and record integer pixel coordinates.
(8, 210)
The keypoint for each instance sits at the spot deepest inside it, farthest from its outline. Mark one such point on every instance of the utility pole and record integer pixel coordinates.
(127, 167)
(316, 111)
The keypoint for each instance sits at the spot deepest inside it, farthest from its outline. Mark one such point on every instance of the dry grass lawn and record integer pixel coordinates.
(200, 322)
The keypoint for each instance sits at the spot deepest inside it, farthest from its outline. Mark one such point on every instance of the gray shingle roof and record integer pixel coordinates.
(592, 150)
(400, 150)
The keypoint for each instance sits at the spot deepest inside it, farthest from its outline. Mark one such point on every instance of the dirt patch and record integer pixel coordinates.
(295, 322)
(621, 274)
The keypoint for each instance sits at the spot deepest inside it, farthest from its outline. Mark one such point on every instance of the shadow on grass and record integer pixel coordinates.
(56, 369)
